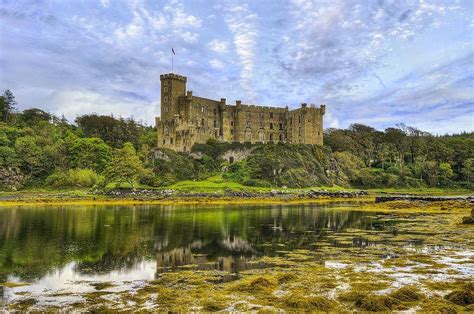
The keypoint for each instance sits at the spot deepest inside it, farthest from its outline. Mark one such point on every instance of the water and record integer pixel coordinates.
(54, 244)
(61, 252)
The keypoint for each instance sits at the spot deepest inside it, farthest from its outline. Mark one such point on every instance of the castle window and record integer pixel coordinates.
(165, 89)
(165, 99)
(202, 122)
(215, 111)
(271, 136)
(261, 115)
(281, 137)
(271, 115)
(299, 131)
(291, 120)
(231, 123)
(231, 131)
(248, 123)
(281, 126)
(165, 108)
(164, 142)
(202, 108)
(171, 140)
(167, 131)
(282, 116)
(261, 124)
(261, 137)
(165, 83)
(215, 123)
(299, 118)
(271, 126)
(248, 114)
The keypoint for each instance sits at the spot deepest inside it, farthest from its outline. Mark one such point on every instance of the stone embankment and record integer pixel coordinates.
(282, 194)
(389, 198)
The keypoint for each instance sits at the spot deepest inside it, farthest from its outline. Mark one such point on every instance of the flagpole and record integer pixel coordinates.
(172, 64)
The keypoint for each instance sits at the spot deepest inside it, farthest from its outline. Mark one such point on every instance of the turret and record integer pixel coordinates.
(173, 86)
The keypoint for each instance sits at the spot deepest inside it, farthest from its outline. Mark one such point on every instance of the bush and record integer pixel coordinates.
(73, 178)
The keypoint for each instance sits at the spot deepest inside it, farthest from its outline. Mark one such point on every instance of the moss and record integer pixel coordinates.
(213, 305)
(351, 296)
(102, 285)
(460, 297)
(438, 305)
(407, 294)
(377, 303)
(24, 304)
(298, 300)
(14, 284)
(257, 285)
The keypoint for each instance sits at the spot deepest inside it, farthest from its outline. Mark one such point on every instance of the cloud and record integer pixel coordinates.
(374, 62)
(243, 25)
(216, 64)
(219, 46)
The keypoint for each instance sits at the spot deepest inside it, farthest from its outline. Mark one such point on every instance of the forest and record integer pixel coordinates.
(41, 150)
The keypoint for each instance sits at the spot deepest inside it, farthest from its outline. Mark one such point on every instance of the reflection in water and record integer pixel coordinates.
(98, 240)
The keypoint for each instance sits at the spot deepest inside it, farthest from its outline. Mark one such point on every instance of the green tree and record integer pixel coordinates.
(445, 173)
(29, 154)
(430, 172)
(7, 105)
(90, 153)
(125, 166)
(468, 170)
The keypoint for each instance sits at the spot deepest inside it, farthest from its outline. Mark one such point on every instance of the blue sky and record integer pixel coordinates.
(375, 62)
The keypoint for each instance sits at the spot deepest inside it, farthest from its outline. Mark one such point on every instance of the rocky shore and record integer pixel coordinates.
(281, 194)
(389, 198)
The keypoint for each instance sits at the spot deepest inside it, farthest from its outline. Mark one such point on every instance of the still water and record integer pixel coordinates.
(49, 247)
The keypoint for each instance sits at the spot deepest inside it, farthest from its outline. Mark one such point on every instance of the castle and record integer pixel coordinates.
(187, 119)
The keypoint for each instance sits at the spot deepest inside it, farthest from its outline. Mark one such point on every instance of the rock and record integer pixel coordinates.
(469, 219)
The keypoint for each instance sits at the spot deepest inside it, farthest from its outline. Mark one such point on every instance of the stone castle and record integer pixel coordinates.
(187, 119)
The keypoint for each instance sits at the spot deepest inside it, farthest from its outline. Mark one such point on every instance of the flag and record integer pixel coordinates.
(172, 50)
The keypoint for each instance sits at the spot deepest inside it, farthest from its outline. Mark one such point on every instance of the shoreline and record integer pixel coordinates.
(176, 197)
(178, 201)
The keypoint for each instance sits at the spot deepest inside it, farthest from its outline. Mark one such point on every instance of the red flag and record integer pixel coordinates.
(172, 50)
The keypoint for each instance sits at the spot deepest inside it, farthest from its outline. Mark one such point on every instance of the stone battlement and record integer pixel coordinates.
(187, 119)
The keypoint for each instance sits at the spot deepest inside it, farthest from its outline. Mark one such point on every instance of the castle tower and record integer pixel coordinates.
(173, 86)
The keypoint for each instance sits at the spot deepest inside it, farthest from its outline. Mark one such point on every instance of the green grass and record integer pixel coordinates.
(212, 184)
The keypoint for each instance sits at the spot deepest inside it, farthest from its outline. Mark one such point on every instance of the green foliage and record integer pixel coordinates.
(84, 178)
(445, 174)
(125, 166)
(115, 132)
(91, 153)
(7, 105)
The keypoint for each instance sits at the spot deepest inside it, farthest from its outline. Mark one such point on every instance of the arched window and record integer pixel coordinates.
(167, 131)
(281, 137)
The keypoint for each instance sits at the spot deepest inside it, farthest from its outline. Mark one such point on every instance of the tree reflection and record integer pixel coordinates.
(34, 241)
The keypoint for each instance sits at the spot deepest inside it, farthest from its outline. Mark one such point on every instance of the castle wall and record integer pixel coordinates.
(188, 119)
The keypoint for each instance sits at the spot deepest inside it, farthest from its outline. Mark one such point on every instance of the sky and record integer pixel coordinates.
(379, 63)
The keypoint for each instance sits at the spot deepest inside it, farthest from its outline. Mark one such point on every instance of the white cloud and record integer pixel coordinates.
(74, 102)
(189, 37)
(219, 46)
(243, 25)
(180, 19)
(105, 3)
(216, 64)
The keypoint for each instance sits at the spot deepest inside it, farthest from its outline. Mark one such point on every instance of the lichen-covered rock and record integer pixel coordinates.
(469, 219)
(11, 178)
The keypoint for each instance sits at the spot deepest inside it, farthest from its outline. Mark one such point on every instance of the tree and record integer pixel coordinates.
(468, 170)
(33, 116)
(445, 173)
(7, 105)
(125, 166)
(29, 154)
(90, 153)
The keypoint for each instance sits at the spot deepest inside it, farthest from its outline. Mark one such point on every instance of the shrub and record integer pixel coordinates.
(73, 178)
